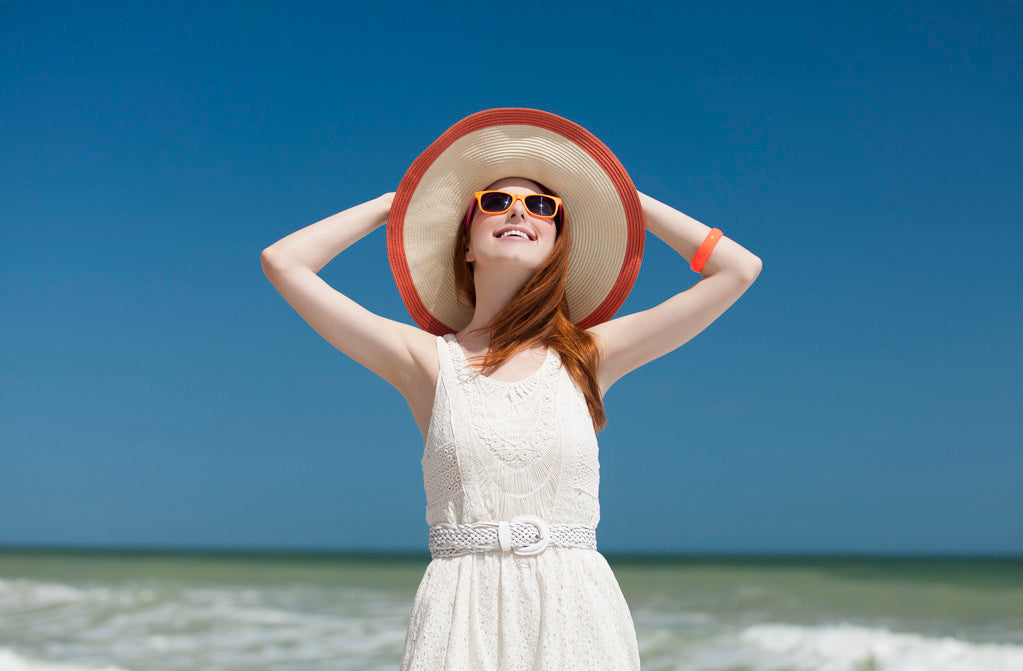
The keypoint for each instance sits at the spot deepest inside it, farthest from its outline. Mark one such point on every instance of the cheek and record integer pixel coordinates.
(480, 221)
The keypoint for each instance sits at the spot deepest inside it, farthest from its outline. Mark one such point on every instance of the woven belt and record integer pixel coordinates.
(524, 535)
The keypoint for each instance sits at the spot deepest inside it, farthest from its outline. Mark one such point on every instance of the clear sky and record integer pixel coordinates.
(864, 394)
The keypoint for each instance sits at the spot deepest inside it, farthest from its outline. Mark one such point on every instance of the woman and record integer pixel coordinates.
(513, 239)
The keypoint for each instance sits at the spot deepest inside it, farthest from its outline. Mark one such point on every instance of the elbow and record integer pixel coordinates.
(266, 259)
(753, 269)
(270, 259)
(275, 261)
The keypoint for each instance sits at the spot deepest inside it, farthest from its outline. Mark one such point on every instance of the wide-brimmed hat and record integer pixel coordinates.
(601, 203)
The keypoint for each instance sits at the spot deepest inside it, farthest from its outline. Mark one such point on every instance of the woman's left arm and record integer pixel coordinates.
(629, 341)
(685, 235)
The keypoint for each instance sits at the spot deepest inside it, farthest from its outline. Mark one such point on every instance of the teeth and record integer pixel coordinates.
(518, 233)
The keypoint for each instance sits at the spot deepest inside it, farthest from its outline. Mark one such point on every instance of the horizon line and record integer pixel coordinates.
(314, 552)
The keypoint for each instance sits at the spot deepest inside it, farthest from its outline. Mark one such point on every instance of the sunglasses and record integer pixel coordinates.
(498, 202)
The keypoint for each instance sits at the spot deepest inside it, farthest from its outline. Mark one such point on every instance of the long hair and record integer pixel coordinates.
(537, 313)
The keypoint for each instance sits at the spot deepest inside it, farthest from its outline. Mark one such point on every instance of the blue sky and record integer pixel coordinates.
(862, 396)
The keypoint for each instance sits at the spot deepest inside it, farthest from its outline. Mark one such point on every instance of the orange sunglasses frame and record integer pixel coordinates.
(518, 196)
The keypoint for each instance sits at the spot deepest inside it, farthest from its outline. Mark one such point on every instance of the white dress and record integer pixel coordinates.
(494, 450)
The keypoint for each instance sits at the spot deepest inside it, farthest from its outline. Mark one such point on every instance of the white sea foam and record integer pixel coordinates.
(12, 661)
(171, 626)
(847, 647)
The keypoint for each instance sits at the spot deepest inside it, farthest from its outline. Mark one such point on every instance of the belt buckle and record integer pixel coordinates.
(543, 530)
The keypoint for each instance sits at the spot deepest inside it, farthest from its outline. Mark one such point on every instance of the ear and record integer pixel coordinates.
(469, 258)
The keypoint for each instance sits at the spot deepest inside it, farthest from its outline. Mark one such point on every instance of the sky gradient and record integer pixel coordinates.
(864, 394)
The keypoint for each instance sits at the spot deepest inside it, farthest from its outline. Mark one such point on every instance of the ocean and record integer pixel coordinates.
(76, 610)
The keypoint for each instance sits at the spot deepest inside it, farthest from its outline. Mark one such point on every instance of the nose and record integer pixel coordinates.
(518, 207)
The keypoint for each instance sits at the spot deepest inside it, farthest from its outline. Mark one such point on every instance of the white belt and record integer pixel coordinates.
(524, 535)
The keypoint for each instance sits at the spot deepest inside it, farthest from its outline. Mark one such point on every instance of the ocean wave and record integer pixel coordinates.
(847, 647)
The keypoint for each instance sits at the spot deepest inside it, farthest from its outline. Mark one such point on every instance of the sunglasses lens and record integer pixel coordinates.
(495, 201)
(541, 206)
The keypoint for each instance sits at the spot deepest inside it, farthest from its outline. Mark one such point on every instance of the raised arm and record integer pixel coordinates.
(685, 235)
(630, 341)
(292, 263)
(315, 245)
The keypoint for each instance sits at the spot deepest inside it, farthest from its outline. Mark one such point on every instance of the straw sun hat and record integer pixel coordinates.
(601, 205)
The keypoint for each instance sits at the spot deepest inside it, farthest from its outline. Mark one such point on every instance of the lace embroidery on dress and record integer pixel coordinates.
(518, 463)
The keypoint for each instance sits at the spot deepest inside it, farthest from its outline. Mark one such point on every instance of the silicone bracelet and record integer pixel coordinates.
(703, 253)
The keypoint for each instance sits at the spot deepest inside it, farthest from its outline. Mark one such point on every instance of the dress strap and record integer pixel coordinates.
(445, 359)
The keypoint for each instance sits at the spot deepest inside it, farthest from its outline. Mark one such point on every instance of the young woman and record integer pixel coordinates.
(514, 238)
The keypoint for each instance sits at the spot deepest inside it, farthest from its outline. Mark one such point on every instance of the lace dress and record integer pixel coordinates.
(494, 450)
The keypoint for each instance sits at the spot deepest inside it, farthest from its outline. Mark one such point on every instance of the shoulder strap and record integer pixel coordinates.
(444, 357)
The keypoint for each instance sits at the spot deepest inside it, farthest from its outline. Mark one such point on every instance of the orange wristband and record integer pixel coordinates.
(705, 249)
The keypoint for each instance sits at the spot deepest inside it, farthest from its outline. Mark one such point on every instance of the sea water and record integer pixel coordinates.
(156, 611)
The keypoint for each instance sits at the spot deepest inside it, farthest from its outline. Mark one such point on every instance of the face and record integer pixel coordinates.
(511, 249)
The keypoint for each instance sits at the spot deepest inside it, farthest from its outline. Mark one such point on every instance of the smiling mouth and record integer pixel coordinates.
(520, 235)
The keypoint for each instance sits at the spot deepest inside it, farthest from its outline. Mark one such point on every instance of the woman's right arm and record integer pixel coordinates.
(291, 264)
(315, 245)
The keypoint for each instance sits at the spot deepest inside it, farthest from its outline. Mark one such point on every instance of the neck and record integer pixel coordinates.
(495, 287)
